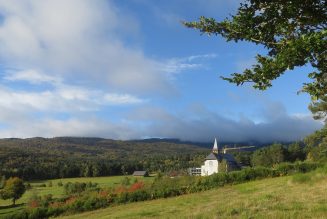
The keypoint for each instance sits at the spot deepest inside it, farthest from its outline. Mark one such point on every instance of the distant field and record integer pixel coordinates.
(57, 191)
(268, 198)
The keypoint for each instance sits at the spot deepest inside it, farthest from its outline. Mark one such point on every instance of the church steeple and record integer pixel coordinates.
(215, 147)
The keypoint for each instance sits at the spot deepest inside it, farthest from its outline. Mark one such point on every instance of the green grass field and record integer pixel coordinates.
(57, 191)
(283, 197)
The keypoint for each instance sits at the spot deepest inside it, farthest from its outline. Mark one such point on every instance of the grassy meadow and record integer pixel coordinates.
(58, 191)
(298, 196)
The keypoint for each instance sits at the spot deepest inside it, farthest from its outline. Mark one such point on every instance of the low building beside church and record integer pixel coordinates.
(194, 171)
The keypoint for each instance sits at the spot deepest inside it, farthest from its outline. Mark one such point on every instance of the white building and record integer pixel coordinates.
(218, 161)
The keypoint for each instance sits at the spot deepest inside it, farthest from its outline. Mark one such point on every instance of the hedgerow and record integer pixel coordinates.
(82, 199)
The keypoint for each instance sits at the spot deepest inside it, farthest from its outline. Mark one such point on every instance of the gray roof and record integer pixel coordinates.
(212, 156)
(139, 173)
(228, 157)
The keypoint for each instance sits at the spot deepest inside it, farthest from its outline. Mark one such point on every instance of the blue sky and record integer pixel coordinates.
(128, 69)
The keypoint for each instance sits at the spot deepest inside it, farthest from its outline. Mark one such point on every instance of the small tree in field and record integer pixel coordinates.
(13, 189)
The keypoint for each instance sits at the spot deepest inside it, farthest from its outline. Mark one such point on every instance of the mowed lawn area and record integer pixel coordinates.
(57, 191)
(269, 198)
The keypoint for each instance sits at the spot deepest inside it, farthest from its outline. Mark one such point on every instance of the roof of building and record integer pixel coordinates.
(228, 157)
(212, 156)
(140, 173)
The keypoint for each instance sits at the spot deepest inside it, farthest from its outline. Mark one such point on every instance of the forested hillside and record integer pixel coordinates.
(44, 158)
(47, 158)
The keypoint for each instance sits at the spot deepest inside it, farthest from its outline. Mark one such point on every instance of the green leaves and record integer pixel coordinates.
(294, 33)
(13, 189)
(319, 108)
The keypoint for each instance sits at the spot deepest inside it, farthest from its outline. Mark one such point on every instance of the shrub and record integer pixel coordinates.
(37, 213)
(37, 201)
(125, 181)
(135, 180)
(323, 169)
(93, 201)
(304, 167)
(284, 169)
(55, 211)
(87, 196)
(77, 187)
(301, 178)
(136, 186)
(140, 195)
(28, 186)
(18, 215)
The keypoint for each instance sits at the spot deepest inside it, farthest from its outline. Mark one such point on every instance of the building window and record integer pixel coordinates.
(210, 163)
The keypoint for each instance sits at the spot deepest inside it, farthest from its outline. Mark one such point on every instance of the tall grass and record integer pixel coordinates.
(311, 177)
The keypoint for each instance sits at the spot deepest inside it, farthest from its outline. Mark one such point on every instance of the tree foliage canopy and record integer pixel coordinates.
(13, 189)
(319, 108)
(294, 32)
(64, 157)
(269, 156)
(316, 145)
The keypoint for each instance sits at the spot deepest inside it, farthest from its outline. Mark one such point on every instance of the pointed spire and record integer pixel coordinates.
(215, 147)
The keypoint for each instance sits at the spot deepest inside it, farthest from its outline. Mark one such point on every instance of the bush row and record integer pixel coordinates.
(162, 187)
(78, 187)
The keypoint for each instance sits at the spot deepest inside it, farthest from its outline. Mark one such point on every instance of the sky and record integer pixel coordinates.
(128, 69)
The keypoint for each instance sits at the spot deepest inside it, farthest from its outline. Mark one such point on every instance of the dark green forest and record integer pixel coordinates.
(63, 157)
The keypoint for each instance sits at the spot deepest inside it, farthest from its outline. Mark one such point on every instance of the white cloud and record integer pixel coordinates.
(202, 125)
(178, 65)
(71, 127)
(82, 41)
(122, 99)
(193, 124)
(38, 113)
(32, 76)
(61, 98)
(77, 38)
(204, 56)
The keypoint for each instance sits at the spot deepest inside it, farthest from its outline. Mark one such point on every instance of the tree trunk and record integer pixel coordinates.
(14, 202)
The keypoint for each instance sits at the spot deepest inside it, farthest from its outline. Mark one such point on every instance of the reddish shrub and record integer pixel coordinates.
(33, 204)
(136, 186)
(56, 204)
(103, 193)
(70, 200)
(120, 189)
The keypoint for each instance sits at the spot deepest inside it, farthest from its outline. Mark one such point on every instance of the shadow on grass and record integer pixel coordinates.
(39, 181)
(10, 208)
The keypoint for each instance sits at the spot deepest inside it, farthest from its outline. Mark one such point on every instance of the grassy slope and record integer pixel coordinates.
(268, 198)
(56, 191)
